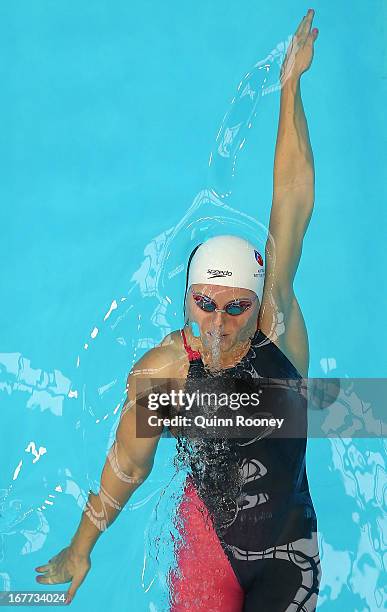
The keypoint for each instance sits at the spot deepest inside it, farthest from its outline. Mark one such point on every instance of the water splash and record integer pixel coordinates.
(213, 343)
(262, 79)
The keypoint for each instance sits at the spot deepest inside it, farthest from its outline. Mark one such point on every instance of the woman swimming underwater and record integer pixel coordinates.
(249, 530)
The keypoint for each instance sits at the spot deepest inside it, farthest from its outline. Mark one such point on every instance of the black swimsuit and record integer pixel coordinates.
(268, 529)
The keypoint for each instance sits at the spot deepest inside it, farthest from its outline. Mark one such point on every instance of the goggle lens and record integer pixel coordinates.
(205, 303)
(234, 308)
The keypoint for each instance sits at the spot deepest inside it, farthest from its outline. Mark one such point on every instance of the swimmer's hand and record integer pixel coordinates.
(68, 565)
(300, 51)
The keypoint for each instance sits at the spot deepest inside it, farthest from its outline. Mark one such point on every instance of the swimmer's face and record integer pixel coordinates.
(221, 327)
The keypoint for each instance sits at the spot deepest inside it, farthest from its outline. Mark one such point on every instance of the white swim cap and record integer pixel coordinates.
(228, 260)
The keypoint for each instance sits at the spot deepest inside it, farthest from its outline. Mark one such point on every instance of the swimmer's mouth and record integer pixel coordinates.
(217, 335)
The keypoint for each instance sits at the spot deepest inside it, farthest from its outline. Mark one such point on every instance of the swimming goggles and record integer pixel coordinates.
(233, 308)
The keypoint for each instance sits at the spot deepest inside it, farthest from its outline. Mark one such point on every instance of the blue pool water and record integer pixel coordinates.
(110, 113)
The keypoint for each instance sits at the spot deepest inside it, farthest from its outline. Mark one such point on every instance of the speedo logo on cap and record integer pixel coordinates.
(219, 273)
(258, 257)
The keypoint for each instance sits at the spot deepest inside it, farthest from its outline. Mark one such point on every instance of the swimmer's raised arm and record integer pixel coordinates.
(292, 205)
(128, 464)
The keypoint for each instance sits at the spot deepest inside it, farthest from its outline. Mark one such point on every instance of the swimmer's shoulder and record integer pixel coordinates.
(173, 344)
(174, 341)
(167, 359)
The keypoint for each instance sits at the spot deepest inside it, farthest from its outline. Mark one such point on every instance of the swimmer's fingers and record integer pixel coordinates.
(303, 29)
(49, 578)
(47, 572)
(304, 36)
(66, 566)
(53, 572)
(300, 36)
(300, 51)
(300, 27)
(43, 568)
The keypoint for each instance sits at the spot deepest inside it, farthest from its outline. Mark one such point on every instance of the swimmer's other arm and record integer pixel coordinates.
(293, 186)
(291, 211)
(130, 459)
(293, 180)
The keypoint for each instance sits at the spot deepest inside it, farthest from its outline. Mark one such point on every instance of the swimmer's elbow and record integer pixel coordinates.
(129, 466)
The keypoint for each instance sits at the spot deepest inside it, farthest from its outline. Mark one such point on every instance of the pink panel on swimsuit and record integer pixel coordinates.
(204, 580)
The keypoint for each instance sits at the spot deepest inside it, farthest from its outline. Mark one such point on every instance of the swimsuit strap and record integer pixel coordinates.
(192, 355)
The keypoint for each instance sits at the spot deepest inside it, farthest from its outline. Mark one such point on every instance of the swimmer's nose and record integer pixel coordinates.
(218, 321)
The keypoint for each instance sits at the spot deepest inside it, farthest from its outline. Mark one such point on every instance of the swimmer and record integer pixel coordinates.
(260, 552)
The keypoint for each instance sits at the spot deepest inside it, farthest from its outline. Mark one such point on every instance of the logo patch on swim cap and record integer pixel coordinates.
(218, 273)
(258, 257)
